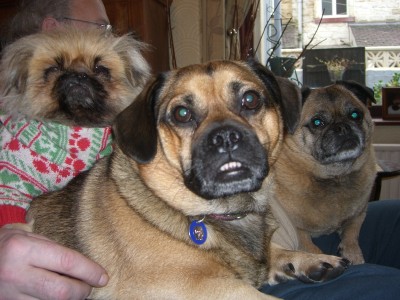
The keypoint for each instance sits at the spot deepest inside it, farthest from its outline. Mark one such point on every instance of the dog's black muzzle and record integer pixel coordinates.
(227, 159)
(340, 142)
(82, 98)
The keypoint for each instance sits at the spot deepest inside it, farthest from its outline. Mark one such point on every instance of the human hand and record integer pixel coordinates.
(33, 267)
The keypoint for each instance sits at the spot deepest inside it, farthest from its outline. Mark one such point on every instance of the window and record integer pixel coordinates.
(334, 7)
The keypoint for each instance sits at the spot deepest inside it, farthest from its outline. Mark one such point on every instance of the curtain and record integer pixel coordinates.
(222, 21)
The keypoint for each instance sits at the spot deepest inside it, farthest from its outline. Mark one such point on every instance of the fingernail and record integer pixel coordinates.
(103, 280)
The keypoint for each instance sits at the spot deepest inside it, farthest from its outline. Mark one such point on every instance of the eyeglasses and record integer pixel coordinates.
(106, 27)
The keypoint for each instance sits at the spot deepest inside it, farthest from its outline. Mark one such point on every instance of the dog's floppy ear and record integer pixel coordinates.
(291, 103)
(135, 128)
(14, 68)
(305, 92)
(362, 92)
(285, 92)
(136, 67)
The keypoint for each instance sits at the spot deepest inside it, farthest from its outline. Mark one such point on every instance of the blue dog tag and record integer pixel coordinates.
(198, 232)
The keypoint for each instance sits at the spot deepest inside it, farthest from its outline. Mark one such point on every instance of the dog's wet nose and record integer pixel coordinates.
(225, 139)
(75, 78)
(82, 75)
(341, 128)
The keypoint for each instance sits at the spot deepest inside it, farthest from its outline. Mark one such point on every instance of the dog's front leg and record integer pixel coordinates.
(349, 247)
(306, 244)
(305, 266)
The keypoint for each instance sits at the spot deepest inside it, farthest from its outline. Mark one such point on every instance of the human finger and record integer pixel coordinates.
(54, 257)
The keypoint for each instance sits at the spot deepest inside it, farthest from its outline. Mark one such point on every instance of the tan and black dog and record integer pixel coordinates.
(178, 210)
(327, 168)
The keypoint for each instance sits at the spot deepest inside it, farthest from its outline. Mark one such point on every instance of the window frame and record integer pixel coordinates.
(334, 10)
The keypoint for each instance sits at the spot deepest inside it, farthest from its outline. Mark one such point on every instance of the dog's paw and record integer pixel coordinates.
(304, 266)
(319, 269)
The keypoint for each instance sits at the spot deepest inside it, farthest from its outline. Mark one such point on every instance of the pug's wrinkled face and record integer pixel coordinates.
(336, 125)
(73, 77)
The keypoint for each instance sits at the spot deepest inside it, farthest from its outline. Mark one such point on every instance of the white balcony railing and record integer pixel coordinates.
(382, 57)
(376, 57)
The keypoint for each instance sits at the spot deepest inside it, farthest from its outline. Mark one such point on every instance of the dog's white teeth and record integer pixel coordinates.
(230, 165)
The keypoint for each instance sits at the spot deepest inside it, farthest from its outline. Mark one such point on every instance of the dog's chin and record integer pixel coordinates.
(220, 183)
(347, 150)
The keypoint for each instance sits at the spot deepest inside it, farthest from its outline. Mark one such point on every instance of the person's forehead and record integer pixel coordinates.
(89, 10)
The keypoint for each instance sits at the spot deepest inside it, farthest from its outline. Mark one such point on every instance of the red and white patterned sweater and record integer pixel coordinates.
(37, 158)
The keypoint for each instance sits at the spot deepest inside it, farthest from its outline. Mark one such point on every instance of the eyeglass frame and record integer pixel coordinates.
(106, 27)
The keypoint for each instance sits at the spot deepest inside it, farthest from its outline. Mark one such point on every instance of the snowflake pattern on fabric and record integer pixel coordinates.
(38, 157)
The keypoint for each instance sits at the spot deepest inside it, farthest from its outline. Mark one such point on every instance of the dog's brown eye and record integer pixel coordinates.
(182, 114)
(51, 70)
(102, 70)
(250, 100)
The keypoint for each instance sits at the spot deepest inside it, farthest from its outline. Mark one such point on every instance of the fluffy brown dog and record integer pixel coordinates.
(327, 168)
(59, 94)
(178, 210)
(71, 76)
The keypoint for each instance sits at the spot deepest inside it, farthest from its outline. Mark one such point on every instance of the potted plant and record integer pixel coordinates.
(282, 66)
(394, 82)
(389, 91)
(391, 99)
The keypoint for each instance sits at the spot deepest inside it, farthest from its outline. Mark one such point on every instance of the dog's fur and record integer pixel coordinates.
(70, 76)
(327, 168)
(56, 87)
(196, 145)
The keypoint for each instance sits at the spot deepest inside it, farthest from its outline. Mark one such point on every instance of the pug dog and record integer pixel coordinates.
(59, 94)
(178, 210)
(326, 170)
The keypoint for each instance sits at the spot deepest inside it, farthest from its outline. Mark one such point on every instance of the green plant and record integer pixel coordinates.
(378, 92)
(394, 82)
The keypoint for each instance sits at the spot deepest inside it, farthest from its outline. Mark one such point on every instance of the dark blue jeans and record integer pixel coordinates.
(379, 278)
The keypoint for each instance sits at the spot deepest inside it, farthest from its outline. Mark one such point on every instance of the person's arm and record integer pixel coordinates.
(10, 214)
(31, 266)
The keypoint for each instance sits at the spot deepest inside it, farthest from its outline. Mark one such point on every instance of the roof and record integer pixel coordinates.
(375, 35)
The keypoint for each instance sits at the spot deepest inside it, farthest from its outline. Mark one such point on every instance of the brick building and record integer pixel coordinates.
(345, 22)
